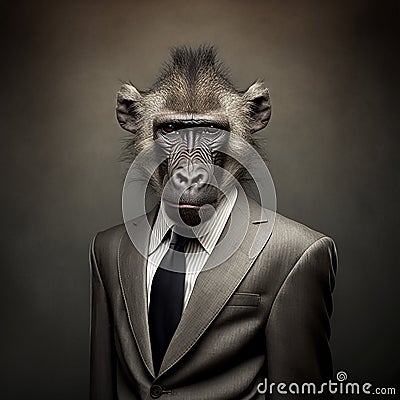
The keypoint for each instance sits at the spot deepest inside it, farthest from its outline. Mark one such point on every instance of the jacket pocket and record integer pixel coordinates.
(244, 299)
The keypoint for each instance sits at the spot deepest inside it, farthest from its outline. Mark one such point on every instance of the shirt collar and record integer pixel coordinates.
(160, 228)
(209, 232)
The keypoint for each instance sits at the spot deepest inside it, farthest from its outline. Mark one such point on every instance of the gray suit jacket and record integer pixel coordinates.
(263, 313)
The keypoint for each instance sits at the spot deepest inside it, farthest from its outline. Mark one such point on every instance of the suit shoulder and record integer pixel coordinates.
(295, 238)
(107, 241)
(315, 249)
(291, 242)
(285, 231)
(292, 229)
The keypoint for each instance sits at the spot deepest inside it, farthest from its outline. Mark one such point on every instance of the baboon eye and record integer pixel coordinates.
(211, 129)
(169, 128)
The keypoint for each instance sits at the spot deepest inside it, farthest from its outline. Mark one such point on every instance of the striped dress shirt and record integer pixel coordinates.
(197, 251)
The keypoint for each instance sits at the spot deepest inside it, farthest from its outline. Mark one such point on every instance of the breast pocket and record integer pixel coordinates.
(244, 299)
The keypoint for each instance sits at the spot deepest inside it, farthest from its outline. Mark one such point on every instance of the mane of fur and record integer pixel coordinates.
(193, 65)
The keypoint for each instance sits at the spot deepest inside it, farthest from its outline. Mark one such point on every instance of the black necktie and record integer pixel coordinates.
(166, 298)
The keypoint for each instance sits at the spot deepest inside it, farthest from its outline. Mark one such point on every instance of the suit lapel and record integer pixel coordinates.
(214, 286)
(132, 275)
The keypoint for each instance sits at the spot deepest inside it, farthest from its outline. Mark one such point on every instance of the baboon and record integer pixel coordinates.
(168, 317)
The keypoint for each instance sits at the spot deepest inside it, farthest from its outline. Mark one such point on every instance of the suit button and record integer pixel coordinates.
(156, 391)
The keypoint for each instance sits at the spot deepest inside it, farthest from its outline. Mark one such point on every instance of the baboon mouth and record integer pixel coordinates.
(187, 206)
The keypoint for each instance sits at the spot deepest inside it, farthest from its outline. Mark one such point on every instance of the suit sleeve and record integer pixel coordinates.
(298, 328)
(102, 351)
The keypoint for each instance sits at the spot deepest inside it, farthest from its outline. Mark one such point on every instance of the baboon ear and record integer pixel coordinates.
(128, 101)
(260, 107)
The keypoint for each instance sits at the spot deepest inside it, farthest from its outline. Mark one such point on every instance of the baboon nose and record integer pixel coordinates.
(194, 178)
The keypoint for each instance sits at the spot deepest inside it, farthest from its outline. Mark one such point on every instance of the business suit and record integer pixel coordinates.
(257, 316)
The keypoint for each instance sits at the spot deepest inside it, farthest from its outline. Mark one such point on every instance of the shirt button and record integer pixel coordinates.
(156, 391)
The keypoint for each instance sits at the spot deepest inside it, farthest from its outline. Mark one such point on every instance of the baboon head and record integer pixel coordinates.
(189, 118)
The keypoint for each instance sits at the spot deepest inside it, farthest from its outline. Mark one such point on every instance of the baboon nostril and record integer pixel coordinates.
(198, 179)
(182, 179)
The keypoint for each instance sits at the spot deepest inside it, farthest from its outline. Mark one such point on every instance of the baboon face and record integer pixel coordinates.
(190, 117)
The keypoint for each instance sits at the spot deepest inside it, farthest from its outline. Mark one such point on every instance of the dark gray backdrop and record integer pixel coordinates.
(333, 144)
